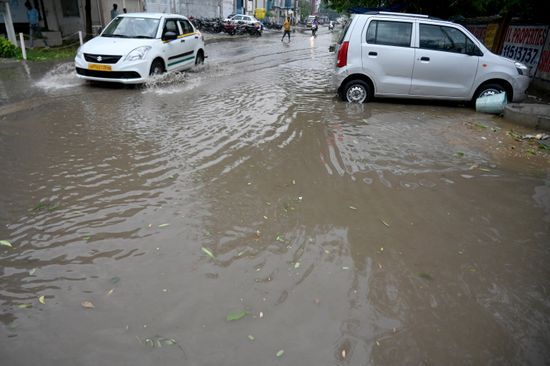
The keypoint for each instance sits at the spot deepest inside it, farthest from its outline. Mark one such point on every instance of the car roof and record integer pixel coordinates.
(152, 15)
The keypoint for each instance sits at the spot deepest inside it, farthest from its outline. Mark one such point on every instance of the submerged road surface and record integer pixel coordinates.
(240, 214)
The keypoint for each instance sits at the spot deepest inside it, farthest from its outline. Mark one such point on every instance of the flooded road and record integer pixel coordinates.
(241, 214)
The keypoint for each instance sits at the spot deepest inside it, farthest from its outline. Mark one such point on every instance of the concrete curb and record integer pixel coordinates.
(535, 116)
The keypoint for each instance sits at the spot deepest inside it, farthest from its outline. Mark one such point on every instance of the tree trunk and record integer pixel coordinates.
(88, 11)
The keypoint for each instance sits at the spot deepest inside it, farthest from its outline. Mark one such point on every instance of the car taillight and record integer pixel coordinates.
(342, 55)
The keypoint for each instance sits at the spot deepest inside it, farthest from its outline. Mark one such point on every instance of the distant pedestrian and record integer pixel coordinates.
(114, 11)
(34, 26)
(124, 10)
(286, 27)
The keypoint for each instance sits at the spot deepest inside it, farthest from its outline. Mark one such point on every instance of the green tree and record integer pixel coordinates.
(305, 8)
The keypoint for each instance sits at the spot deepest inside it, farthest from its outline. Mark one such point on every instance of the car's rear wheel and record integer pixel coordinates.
(157, 68)
(488, 90)
(199, 60)
(356, 91)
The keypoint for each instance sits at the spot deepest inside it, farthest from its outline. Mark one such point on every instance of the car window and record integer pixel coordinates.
(237, 17)
(186, 26)
(171, 26)
(389, 33)
(449, 39)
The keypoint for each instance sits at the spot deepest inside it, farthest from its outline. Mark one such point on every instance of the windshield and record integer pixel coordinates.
(131, 27)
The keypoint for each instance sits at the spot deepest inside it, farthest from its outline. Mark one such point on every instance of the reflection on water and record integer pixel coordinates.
(347, 233)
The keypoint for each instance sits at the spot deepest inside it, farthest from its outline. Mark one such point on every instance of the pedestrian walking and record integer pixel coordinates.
(286, 27)
(34, 26)
(114, 11)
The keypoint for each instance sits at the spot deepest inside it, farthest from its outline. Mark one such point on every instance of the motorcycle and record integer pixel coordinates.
(314, 28)
(331, 26)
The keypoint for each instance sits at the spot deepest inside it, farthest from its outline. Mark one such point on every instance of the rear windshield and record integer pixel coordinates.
(344, 31)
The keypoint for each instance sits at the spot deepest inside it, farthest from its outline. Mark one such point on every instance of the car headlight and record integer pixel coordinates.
(522, 69)
(138, 53)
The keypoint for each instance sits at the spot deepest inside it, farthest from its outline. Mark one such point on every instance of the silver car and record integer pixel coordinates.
(414, 56)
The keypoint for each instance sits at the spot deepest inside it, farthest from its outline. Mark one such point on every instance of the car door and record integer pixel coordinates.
(189, 40)
(173, 48)
(445, 63)
(387, 56)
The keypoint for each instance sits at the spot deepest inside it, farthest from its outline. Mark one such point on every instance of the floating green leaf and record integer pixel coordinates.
(236, 315)
(164, 225)
(208, 252)
(280, 352)
(6, 243)
(280, 238)
(24, 306)
(42, 300)
(460, 154)
(425, 276)
(32, 271)
(251, 337)
(385, 223)
(115, 280)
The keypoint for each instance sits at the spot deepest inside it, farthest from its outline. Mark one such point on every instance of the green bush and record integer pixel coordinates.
(7, 49)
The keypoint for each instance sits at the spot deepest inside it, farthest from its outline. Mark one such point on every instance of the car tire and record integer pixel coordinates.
(199, 60)
(157, 68)
(488, 90)
(356, 91)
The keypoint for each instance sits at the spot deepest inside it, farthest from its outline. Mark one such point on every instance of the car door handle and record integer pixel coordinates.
(182, 41)
(371, 53)
(424, 59)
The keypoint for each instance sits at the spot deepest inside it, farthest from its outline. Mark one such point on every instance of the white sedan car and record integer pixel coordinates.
(244, 19)
(134, 46)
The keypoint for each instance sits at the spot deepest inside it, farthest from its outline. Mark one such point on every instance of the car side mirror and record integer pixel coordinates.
(168, 36)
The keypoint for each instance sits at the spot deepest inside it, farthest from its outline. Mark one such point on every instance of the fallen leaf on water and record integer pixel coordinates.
(236, 315)
(42, 300)
(297, 265)
(460, 154)
(353, 208)
(251, 337)
(87, 305)
(344, 353)
(32, 271)
(385, 223)
(115, 280)
(280, 352)
(425, 276)
(24, 306)
(378, 343)
(6, 243)
(164, 225)
(261, 315)
(110, 291)
(208, 252)
(280, 238)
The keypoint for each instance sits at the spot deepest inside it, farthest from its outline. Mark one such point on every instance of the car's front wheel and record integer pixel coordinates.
(356, 91)
(488, 90)
(157, 67)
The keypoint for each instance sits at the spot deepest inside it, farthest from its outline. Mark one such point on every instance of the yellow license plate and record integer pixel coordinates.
(99, 67)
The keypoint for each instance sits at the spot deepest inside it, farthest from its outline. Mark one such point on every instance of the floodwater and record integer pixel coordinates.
(390, 233)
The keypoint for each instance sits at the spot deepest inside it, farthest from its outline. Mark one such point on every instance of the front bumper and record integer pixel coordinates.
(520, 88)
(122, 72)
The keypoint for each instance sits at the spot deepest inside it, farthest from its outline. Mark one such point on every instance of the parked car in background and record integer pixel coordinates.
(244, 19)
(134, 46)
(414, 56)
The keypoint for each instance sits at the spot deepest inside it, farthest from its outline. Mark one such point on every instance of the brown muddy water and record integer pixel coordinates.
(242, 215)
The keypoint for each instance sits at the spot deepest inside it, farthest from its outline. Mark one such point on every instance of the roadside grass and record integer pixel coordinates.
(66, 51)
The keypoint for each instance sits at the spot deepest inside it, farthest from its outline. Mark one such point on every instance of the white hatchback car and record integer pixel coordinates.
(415, 56)
(134, 46)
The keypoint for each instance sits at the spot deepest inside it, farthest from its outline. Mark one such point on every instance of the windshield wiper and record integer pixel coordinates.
(147, 37)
